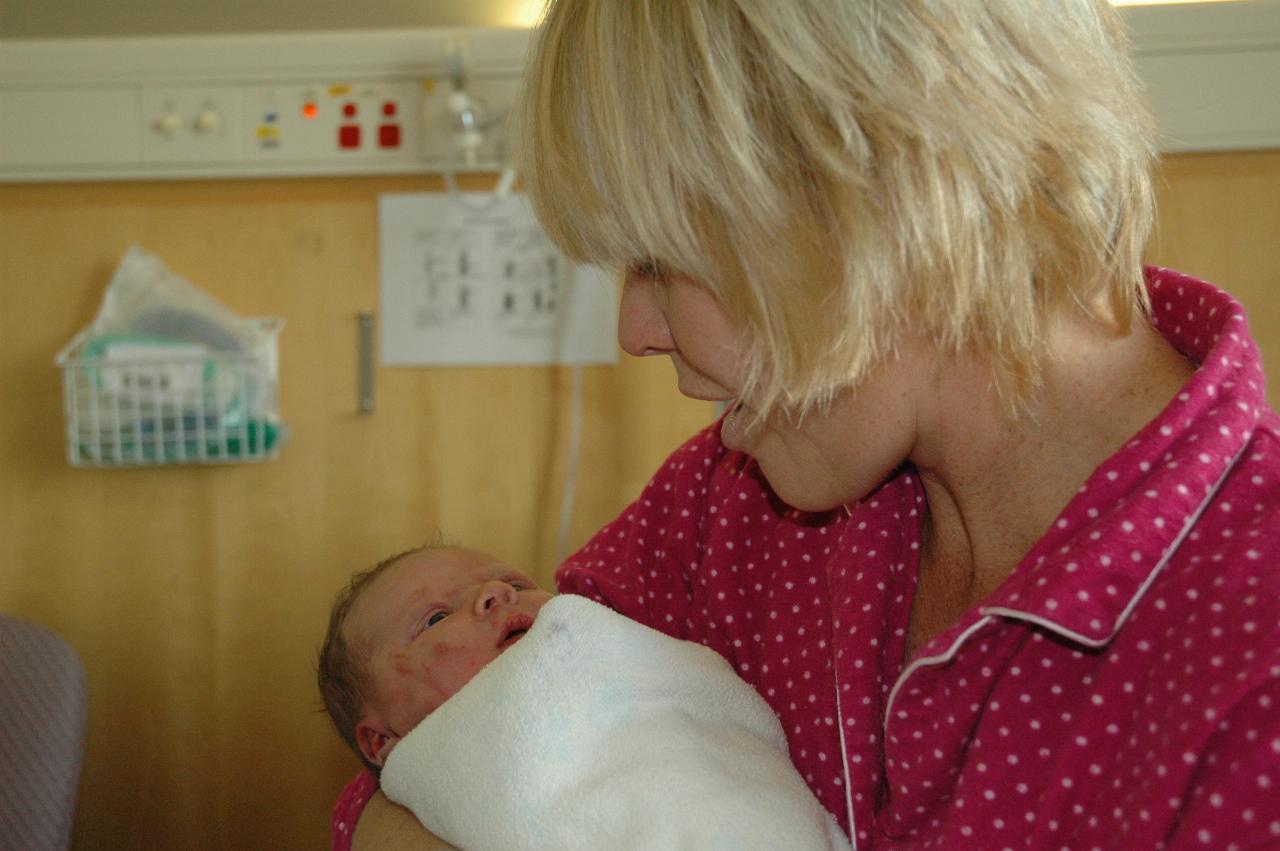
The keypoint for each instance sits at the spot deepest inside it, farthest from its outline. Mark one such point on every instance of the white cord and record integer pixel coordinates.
(469, 113)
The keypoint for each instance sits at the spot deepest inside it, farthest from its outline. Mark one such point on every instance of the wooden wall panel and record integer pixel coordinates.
(197, 596)
(1220, 220)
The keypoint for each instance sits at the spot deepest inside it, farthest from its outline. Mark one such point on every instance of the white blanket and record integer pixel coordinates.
(596, 732)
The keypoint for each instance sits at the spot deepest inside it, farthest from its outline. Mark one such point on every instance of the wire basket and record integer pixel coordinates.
(136, 406)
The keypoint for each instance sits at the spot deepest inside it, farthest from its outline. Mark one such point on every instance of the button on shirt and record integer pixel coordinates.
(1121, 689)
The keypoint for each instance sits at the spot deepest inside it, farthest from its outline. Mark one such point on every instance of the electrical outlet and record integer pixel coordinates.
(191, 124)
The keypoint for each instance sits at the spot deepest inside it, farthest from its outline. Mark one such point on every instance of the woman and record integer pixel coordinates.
(993, 519)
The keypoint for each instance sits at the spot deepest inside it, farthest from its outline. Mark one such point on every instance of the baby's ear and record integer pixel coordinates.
(375, 741)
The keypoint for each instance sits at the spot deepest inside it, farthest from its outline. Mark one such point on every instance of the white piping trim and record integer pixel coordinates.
(844, 752)
(988, 614)
(1146, 585)
(844, 765)
(1052, 626)
(928, 660)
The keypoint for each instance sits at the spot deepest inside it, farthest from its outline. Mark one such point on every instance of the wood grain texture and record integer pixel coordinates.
(1220, 220)
(196, 597)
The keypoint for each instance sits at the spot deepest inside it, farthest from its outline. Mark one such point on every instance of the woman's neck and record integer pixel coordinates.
(994, 485)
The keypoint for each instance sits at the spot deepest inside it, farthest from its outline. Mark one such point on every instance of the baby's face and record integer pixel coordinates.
(431, 622)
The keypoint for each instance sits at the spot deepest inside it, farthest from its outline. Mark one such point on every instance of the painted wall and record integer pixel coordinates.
(197, 596)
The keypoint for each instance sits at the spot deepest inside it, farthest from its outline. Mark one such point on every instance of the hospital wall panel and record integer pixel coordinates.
(197, 596)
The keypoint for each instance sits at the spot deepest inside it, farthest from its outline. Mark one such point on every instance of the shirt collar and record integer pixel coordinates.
(1083, 578)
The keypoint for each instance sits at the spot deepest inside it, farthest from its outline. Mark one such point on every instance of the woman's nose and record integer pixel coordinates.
(494, 593)
(642, 326)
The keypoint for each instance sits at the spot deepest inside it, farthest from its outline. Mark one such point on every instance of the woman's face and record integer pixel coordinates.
(667, 314)
(827, 459)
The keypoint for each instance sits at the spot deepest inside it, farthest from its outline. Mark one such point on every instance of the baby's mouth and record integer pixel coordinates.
(517, 625)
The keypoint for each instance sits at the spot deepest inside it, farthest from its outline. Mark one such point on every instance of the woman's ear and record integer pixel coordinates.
(375, 741)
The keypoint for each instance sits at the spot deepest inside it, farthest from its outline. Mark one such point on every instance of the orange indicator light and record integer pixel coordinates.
(310, 110)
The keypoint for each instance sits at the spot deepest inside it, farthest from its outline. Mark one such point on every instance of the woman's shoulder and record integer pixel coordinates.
(1214, 604)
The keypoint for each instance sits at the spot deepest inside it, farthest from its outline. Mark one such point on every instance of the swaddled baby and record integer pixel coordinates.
(594, 732)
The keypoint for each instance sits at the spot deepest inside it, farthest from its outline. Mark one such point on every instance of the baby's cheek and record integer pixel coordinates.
(457, 656)
(451, 665)
(460, 659)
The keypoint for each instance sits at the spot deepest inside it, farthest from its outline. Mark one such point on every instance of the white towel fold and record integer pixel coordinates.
(596, 732)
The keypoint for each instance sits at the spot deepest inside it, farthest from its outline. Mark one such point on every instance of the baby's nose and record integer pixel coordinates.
(494, 593)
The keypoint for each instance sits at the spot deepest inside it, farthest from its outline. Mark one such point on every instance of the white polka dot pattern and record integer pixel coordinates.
(1119, 690)
(347, 809)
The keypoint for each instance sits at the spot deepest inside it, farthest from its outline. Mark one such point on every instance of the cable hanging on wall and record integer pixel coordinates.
(472, 127)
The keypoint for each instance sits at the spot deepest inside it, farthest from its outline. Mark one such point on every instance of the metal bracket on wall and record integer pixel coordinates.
(364, 360)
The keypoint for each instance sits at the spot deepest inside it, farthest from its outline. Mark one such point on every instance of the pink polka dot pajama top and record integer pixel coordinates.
(1120, 690)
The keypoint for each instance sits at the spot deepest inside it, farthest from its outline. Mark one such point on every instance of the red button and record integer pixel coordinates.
(349, 110)
(389, 108)
(349, 136)
(389, 135)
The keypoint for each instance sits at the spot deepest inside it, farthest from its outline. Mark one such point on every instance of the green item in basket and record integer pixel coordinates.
(252, 441)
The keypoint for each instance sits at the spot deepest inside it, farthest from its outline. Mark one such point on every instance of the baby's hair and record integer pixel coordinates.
(342, 670)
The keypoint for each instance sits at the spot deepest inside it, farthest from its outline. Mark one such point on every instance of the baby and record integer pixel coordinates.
(595, 731)
(405, 635)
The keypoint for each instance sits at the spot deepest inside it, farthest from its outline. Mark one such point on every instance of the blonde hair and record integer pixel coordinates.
(838, 172)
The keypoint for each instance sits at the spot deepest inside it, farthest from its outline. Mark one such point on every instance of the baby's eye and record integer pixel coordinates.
(435, 618)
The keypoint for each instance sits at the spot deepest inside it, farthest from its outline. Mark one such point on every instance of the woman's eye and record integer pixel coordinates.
(647, 269)
(435, 618)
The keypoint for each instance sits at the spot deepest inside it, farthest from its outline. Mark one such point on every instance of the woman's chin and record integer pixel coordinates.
(807, 502)
(808, 488)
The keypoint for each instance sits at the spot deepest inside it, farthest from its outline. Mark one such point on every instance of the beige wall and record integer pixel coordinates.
(197, 596)
(1220, 219)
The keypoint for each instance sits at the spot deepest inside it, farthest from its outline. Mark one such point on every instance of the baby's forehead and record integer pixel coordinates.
(417, 572)
(376, 599)
(437, 567)
(422, 573)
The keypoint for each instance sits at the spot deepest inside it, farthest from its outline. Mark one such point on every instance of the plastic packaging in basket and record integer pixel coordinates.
(166, 374)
